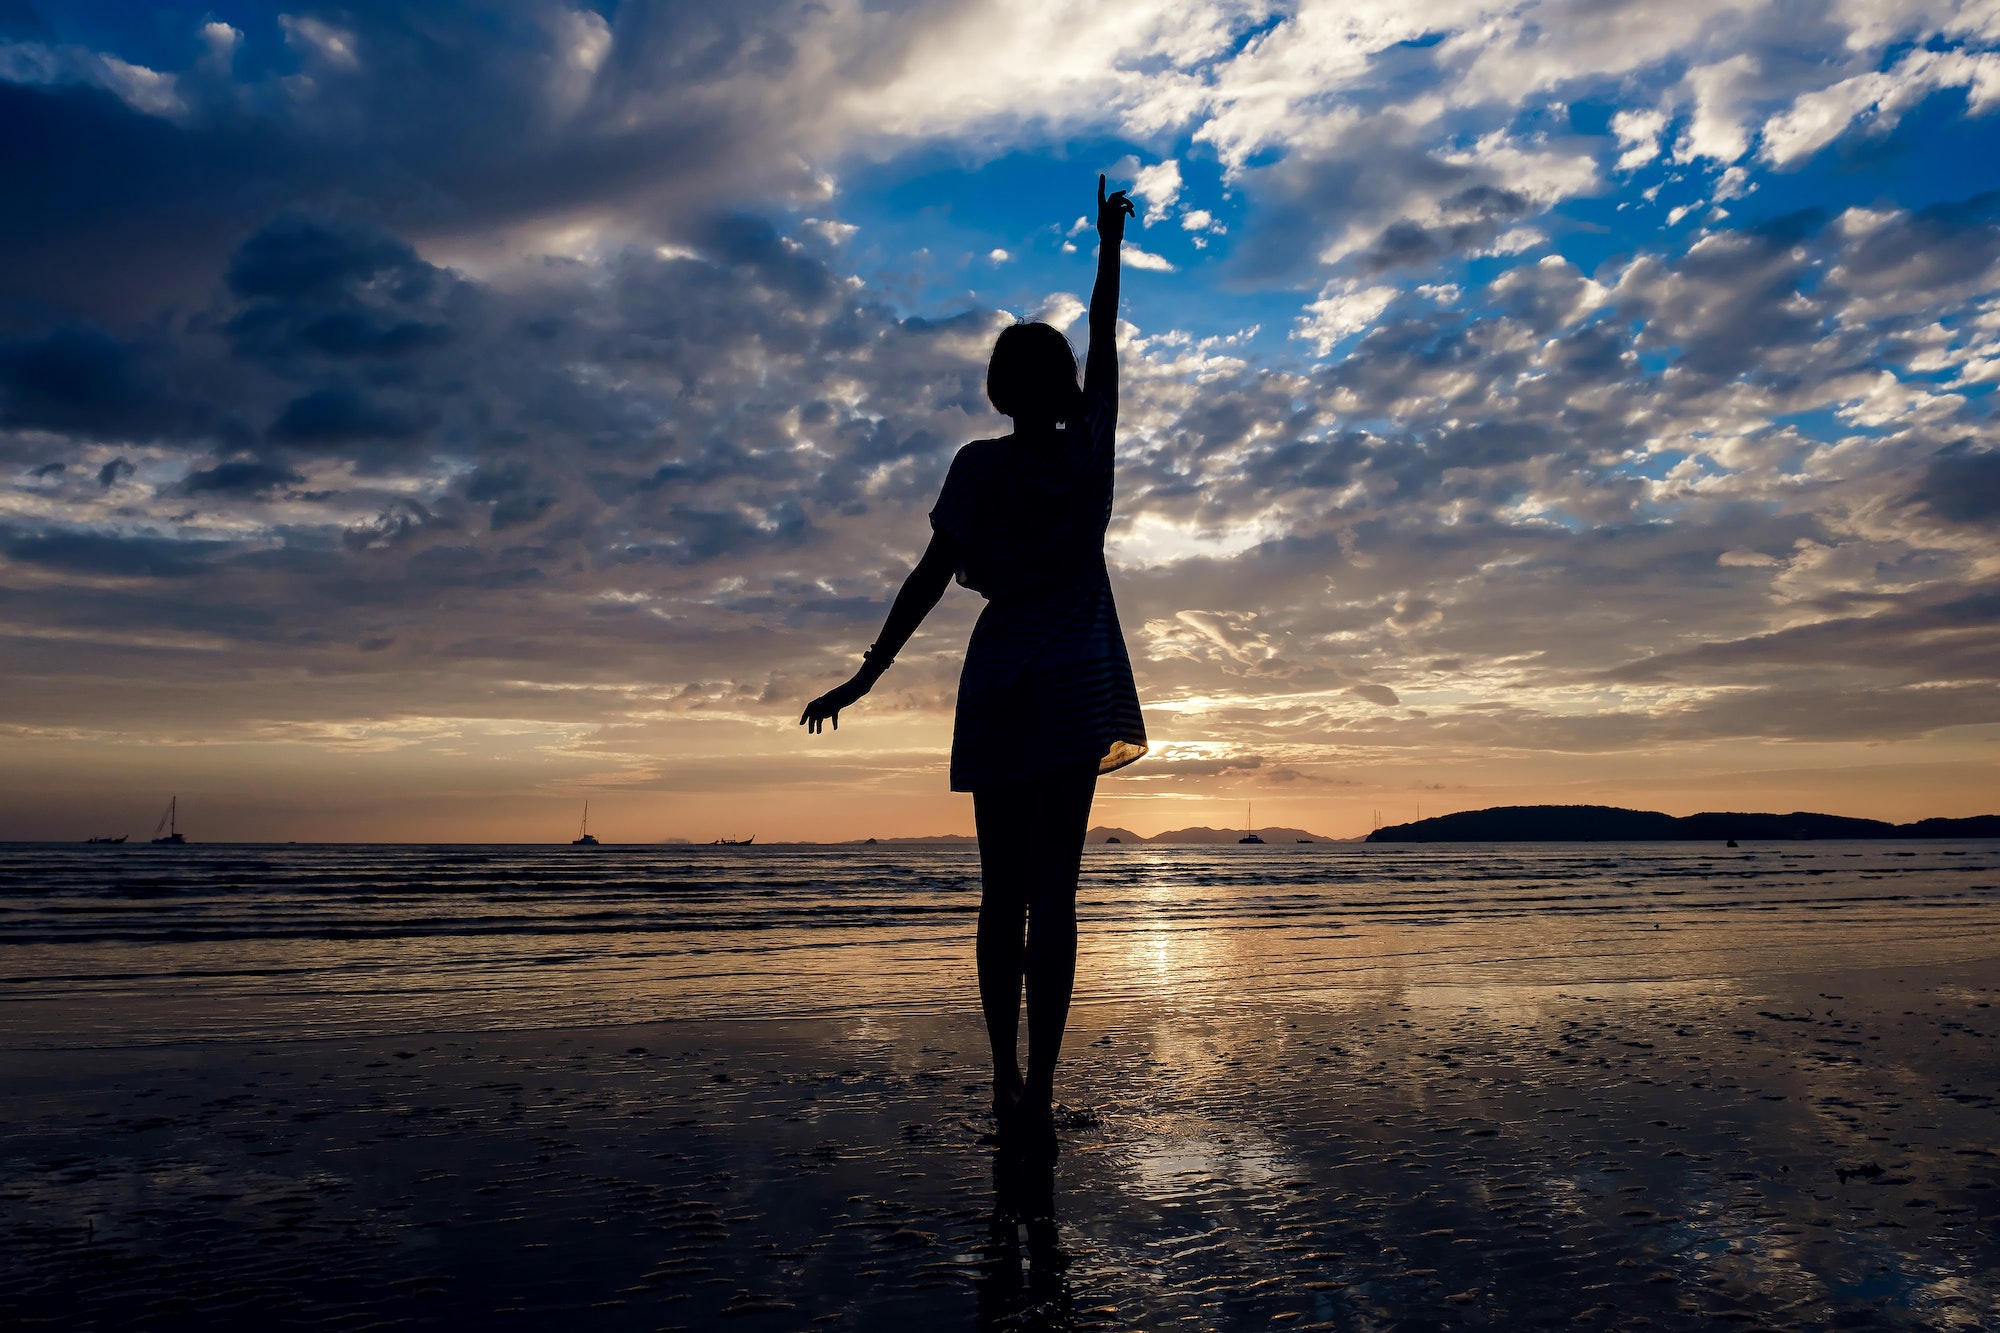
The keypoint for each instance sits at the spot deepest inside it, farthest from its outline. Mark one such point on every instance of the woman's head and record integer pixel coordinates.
(1032, 376)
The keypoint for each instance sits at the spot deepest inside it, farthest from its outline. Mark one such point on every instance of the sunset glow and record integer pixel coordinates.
(418, 420)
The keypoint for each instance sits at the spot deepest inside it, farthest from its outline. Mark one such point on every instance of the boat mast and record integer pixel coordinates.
(585, 830)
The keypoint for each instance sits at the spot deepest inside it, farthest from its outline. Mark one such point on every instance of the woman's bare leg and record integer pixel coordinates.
(1001, 918)
(1051, 962)
(1030, 850)
(1003, 914)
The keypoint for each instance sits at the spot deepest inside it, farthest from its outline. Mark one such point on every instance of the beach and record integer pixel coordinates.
(1639, 1086)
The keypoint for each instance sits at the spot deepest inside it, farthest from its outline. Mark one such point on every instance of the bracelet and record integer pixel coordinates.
(876, 660)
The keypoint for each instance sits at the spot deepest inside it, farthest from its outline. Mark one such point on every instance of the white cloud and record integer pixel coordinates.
(832, 232)
(143, 89)
(222, 41)
(1514, 241)
(1342, 310)
(1159, 186)
(1815, 119)
(997, 256)
(1734, 183)
(1136, 258)
(582, 39)
(1060, 309)
(316, 37)
(1722, 92)
(1639, 135)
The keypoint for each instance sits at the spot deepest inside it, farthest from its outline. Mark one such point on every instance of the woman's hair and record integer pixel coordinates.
(1033, 374)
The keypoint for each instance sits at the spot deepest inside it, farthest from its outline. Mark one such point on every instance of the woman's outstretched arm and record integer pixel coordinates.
(1100, 367)
(921, 591)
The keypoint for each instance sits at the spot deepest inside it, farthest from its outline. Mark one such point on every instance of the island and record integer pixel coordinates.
(1609, 823)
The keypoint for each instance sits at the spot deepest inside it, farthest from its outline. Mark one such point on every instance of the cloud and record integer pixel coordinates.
(95, 555)
(242, 477)
(1342, 310)
(1962, 485)
(546, 390)
(1815, 119)
(1638, 132)
(80, 378)
(1159, 186)
(340, 415)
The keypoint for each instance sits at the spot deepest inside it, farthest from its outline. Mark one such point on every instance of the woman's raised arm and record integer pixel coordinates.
(1100, 367)
(920, 592)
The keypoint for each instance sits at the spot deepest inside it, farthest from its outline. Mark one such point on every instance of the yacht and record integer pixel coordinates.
(169, 825)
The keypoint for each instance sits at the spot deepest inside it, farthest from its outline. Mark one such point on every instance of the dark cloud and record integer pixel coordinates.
(453, 120)
(75, 378)
(1905, 261)
(340, 414)
(296, 257)
(116, 557)
(242, 477)
(1933, 639)
(1962, 484)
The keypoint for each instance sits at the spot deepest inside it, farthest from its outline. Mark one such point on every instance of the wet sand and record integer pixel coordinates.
(1796, 1151)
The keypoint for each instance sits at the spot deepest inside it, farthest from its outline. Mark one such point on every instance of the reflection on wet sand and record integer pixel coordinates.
(1385, 1111)
(1806, 1153)
(1024, 1285)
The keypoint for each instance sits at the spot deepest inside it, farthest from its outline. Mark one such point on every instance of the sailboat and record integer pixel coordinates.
(170, 824)
(1249, 833)
(585, 840)
(107, 838)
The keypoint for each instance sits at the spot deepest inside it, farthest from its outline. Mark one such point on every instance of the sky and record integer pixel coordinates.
(419, 419)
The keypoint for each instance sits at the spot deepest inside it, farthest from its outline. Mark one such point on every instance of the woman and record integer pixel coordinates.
(1046, 701)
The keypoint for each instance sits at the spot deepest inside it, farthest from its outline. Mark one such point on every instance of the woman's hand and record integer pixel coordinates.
(827, 706)
(1111, 214)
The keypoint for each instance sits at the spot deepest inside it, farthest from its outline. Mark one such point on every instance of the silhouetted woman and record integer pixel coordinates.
(1046, 701)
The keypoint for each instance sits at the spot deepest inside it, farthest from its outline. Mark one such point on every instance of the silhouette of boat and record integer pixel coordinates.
(1249, 833)
(120, 838)
(170, 821)
(739, 842)
(1302, 840)
(584, 840)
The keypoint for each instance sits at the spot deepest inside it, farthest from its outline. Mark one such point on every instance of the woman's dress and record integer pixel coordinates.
(1047, 684)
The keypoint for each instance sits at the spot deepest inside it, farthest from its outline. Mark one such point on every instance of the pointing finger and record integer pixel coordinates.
(1100, 189)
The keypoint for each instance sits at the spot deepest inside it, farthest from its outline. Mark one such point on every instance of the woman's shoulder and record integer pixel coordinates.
(965, 481)
(974, 456)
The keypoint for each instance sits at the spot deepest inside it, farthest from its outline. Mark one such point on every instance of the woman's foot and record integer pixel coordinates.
(1007, 1091)
(1034, 1122)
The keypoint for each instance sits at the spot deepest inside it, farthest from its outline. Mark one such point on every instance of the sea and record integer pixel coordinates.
(136, 944)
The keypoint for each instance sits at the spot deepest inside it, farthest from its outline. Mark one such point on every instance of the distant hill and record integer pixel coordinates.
(1609, 823)
(1206, 836)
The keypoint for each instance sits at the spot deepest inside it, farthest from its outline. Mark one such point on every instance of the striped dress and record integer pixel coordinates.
(1047, 684)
